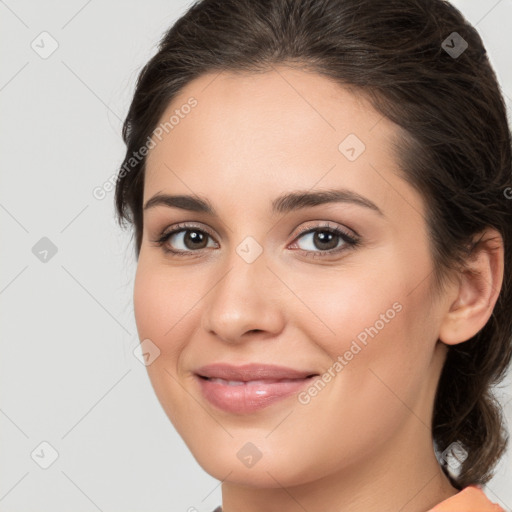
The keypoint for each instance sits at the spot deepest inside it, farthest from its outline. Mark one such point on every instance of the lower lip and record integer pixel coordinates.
(249, 397)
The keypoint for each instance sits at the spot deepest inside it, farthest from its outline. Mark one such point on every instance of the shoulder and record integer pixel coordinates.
(470, 499)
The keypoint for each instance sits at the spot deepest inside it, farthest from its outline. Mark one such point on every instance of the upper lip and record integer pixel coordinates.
(252, 371)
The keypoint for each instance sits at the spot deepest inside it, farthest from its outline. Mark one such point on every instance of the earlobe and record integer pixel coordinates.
(477, 292)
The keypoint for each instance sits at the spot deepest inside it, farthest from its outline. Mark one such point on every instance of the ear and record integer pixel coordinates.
(478, 288)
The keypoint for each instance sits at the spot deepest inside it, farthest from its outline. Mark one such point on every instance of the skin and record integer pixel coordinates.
(364, 442)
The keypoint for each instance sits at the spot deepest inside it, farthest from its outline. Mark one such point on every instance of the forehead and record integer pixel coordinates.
(276, 108)
(283, 128)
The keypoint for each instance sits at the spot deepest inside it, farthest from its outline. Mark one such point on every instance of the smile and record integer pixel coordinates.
(249, 388)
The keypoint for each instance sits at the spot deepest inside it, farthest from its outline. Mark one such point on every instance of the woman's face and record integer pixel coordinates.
(266, 281)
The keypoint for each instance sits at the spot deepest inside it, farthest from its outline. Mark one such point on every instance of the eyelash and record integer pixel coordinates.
(350, 241)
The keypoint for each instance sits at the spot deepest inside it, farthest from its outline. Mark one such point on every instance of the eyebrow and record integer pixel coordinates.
(282, 204)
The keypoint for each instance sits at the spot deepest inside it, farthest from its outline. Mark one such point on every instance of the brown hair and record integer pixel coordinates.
(454, 148)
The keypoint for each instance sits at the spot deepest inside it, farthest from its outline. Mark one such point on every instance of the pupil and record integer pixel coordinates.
(324, 237)
(194, 237)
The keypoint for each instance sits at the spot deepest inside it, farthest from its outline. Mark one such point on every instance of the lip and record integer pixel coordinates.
(248, 388)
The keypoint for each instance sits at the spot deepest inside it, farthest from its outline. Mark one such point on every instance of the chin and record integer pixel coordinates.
(270, 471)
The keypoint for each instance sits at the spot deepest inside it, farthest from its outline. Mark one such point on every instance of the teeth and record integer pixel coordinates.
(269, 381)
(249, 383)
(228, 382)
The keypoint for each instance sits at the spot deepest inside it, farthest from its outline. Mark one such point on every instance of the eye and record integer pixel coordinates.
(186, 237)
(320, 241)
(325, 240)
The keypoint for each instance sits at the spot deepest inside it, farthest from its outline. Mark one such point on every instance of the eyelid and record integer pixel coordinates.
(310, 225)
(319, 224)
(349, 241)
(174, 229)
(182, 226)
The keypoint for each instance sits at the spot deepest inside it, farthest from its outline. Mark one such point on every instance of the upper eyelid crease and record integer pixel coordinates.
(283, 204)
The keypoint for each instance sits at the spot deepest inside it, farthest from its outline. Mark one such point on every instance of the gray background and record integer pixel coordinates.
(68, 376)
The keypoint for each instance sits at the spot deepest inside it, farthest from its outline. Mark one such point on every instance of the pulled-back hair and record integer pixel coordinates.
(453, 146)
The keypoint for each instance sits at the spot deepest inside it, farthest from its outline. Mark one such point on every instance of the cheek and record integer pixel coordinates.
(159, 304)
(163, 304)
(383, 301)
(379, 334)
(378, 383)
(149, 303)
(359, 304)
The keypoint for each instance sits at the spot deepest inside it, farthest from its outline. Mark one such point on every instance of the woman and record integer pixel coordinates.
(320, 194)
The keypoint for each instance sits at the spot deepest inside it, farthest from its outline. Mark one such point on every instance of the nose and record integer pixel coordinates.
(245, 302)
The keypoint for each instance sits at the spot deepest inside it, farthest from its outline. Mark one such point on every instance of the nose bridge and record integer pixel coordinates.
(246, 265)
(241, 301)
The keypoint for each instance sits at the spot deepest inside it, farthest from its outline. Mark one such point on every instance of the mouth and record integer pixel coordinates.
(251, 382)
(249, 388)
